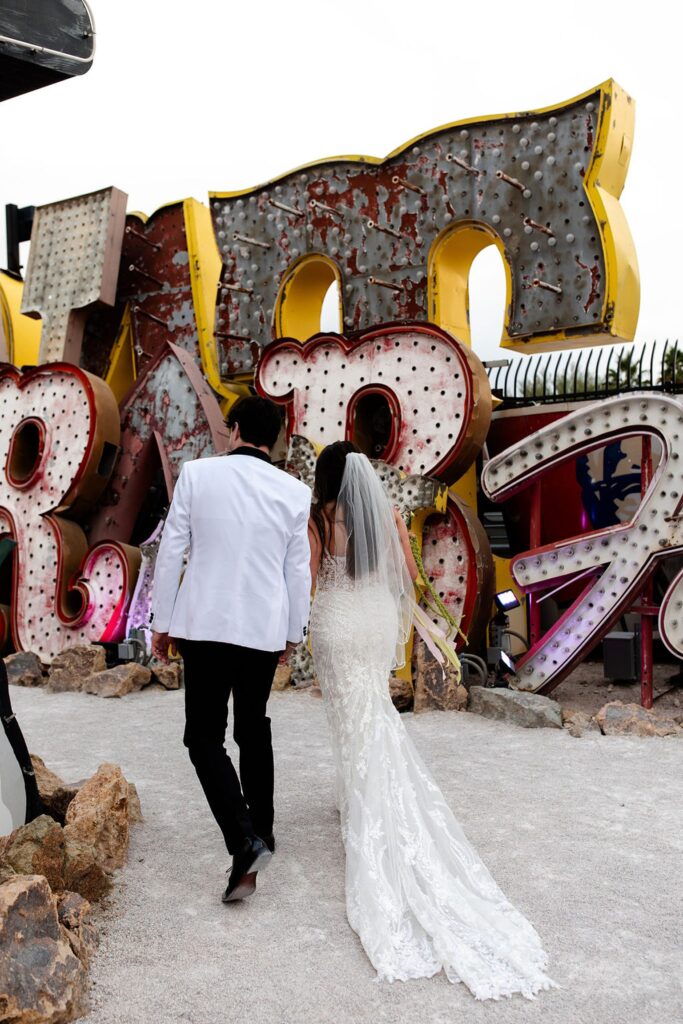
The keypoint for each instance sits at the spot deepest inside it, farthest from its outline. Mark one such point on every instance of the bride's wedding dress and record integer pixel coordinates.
(417, 893)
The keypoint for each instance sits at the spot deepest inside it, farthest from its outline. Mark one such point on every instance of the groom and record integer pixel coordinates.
(243, 600)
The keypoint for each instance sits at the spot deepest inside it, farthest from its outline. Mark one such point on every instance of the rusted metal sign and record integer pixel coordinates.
(73, 264)
(170, 416)
(400, 234)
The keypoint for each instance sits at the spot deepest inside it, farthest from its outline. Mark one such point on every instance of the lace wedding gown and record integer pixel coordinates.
(417, 894)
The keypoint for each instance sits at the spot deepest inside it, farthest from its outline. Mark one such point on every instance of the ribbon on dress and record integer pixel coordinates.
(436, 640)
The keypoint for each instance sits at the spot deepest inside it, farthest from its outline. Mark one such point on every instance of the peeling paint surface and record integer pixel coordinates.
(170, 417)
(155, 280)
(522, 178)
(75, 248)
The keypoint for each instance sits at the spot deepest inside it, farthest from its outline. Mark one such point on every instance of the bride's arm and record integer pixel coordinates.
(316, 551)
(405, 544)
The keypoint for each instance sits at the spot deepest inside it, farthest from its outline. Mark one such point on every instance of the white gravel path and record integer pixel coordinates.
(584, 836)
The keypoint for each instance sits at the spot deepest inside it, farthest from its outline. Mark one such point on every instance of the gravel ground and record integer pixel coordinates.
(586, 689)
(584, 836)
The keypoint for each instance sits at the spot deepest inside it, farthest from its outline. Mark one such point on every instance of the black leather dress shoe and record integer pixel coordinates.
(252, 858)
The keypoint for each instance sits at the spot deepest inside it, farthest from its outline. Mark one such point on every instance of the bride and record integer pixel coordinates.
(417, 894)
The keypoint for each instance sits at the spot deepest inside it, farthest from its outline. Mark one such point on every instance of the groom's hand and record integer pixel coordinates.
(161, 642)
(284, 657)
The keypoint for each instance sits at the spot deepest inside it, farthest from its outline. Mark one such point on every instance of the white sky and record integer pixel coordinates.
(213, 95)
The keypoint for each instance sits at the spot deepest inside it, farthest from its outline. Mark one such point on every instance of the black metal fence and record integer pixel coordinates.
(590, 373)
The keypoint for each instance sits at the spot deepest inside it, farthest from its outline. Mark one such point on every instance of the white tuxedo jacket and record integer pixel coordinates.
(247, 581)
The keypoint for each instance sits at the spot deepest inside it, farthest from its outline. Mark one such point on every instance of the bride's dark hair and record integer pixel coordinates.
(329, 471)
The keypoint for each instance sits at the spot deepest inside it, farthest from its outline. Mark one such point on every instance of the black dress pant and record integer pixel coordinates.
(212, 672)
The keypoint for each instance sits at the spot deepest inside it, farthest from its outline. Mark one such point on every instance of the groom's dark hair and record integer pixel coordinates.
(259, 420)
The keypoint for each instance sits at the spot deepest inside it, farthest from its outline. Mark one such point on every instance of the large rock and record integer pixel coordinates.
(117, 681)
(617, 719)
(169, 676)
(530, 710)
(24, 669)
(578, 722)
(82, 871)
(66, 861)
(401, 693)
(36, 849)
(74, 915)
(134, 805)
(98, 817)
(55, 794)
(71, 668)
(436, 689)
(42, 980)
(6, 871)
(283, 678)
(81, 856)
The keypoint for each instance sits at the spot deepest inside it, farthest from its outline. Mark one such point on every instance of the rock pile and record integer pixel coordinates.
(117, 681)
(283, 678)
(51, 870)
(532, 710)
(44, 979)
(578, 722)
(436, 688)
(25, 669)
(55, 794)
(170, 677)
(617, 719)
(73, 666)
(84, 669)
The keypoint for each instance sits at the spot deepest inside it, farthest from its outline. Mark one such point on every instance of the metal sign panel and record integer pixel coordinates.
(170, 416)
(401, 233)
(73, 263)
(614, 563)
(58, 433)
(43, 41)
(436, 390)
